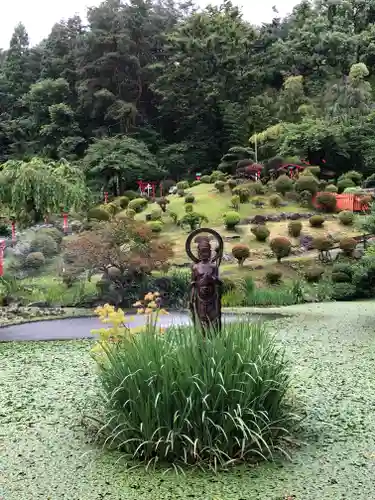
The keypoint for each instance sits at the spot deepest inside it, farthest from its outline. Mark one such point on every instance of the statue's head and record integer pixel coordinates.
(204, 249)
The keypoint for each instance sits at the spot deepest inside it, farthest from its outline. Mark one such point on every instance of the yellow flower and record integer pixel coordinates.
(148, 310)
(137, 304)
(163, 312)
(152, 305)
(149, 296)
(140, 311)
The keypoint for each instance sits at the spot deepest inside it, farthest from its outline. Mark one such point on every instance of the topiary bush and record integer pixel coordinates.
(261, 232)
(235, 202)
(344, 183)
(163, 202)
(196, 183)
(317, 221)
(343, 291)
(138, 204)
(273, 277)
(307, 183)
(181, 193)
(313, 274)
(281, 247)
(305, 198)
(156, 226)
(189, 207)
(155, 214)
(52, 232)
(131, 195)
(122, 201)
(241, 252)
(294, 228)
(35, 260)
(206, 179)
(217, 175)
(231, 219)
(348, 245)
(258, 188)
(182, 185)
(327, 201)
(243, 193)
(45, 244)
(157, 388)
(232, 183)
(275, 201)
(346, 217)
(355, 176)
(322, 243)
(220, 186)
(342, 272)
(331, 188)
(98, 214)
(284, 184)
(130, 214)
(189, 198)
(193, 220)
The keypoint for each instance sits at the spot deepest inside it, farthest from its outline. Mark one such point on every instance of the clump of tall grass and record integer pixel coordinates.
(181, 398)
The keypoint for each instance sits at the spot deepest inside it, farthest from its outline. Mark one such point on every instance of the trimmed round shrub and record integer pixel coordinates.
(346, 217)
(163, 202)
(340, 278)
(312, 169)
(307, 183)
(344, 183)
(189, 198)
(273, 277)
(327, 201)
(243, 193)
(343, 291)
(313, 274)
(45, 244)
(220, 186)
(281, 247)
(189, 207)
(258, 188)
(181, 193)
(206, 179)
(155, 214)
(317, 221)
(294, 228)
(155, 226)
(261, 232)
(355, 176)
(138, 204)
(232, 183)
(322, 243)
(122, 201)
(275, 201)
(174, 216)
(182, 185)
(231, 219)
(322, 185)
(305, 198)
(35, 260)
(284, 184)
(196, 183)
(235, 201)
(343, 268)
(98, 214)
(241, 253)
(331, 188)
(53, 233)
(348, 245)
(131, 195)
(130, 213)
(217, 175)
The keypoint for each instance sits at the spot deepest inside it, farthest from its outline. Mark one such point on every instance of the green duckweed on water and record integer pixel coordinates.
(46, 387)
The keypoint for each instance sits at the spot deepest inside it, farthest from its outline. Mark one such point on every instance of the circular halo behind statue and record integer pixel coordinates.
(193, 235)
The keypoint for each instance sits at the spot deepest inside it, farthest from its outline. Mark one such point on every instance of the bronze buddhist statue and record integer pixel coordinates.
(206, 287)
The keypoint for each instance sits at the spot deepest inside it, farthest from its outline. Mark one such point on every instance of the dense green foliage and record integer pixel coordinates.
(154, 88)
(145, 381)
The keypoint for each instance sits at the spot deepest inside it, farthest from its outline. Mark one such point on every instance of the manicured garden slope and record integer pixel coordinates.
(45, 388)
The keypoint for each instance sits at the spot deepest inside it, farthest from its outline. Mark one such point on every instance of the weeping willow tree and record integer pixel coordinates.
(36, 188)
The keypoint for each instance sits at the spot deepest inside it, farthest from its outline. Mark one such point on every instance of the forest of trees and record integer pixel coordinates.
(158, 89)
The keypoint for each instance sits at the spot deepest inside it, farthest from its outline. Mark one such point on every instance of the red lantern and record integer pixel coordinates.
(105, 197)
(198, 176)
(161, 189)
(2, 248)
(13, 231)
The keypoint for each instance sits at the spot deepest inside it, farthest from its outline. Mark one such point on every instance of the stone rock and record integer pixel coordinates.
(231, 238)
(38, 304)
(259, 219)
